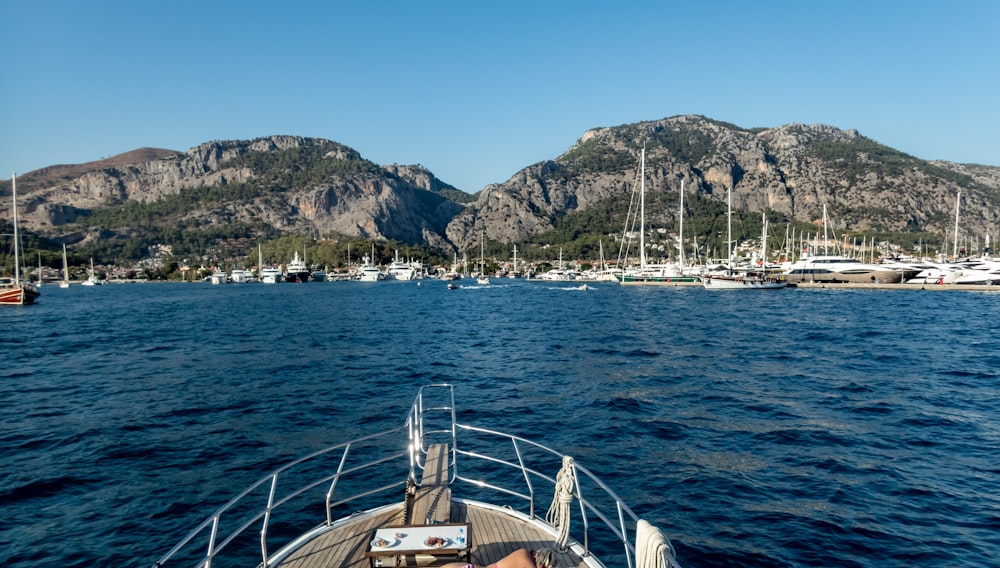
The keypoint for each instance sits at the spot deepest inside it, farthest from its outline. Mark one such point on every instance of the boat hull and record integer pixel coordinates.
(18, 295)
(741, 283)
(639, 280)
(827, 277)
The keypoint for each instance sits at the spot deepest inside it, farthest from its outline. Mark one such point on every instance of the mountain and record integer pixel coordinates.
(288, 184)
(273, 184)
(793, 170)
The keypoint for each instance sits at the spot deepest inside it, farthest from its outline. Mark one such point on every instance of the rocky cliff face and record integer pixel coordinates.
(794, 169)
(310, 185)
(392, 204)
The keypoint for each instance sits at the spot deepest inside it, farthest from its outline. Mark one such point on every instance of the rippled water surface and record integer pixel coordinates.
(757, 428)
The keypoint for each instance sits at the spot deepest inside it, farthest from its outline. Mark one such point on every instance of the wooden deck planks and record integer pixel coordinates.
(435, 466)
(343, 547)
(494, 535)
(433, 497)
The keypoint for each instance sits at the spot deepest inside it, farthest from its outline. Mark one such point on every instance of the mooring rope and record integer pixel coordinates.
(652, 549)
(558, 515)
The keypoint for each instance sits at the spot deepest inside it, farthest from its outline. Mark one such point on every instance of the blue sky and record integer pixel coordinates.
(477, 90)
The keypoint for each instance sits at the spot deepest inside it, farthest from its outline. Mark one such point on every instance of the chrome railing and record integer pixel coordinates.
(356, 463)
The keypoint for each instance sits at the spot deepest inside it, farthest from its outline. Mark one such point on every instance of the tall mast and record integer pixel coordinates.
(680, 238)
(642, 208)
(17, 234)
(954, 250)
(729, 226)
(826, 244)
(763, 242)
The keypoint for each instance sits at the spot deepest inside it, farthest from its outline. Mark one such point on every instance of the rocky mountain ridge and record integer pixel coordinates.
(306, 185)
(793, 170)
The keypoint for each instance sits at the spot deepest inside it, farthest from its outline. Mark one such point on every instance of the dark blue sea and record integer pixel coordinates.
(780, 428)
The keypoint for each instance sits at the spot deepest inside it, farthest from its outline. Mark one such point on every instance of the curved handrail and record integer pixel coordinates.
(418, 431)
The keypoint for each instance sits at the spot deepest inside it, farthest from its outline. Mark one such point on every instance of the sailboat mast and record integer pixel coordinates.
(680, 236)
(17, 234)
(642, 209)
(763, 242)
(826, 244)
(954, 250)
(729, 225)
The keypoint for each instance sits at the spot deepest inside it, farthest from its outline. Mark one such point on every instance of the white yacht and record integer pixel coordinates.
(297, 270)
(239, 276)
(935, 273)
(979, 271)
(270, 275)
(219, 276)
(834, 269)
(368, 272)
(399, 270)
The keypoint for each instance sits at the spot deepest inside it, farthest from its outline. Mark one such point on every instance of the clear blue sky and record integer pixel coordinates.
(476, 90)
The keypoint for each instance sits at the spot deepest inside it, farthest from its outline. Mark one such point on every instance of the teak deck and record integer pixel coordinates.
(494, 535)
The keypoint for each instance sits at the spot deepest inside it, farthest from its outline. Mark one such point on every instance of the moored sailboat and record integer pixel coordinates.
(744, 278)
(482, 279)
(650, 274)
(65, 280)
(17, 293)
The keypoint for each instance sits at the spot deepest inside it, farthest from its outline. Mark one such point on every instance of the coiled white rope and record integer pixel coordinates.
(652, 549)
(558, 515)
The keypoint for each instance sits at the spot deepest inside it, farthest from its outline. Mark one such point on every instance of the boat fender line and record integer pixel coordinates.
(559, 515)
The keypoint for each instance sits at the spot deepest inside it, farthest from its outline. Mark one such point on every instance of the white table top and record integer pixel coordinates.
(413, 538)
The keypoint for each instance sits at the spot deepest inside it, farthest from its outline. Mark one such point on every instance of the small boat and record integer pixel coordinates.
(92, 279)
(15, 292)
(482, 279)
(452, 286)
(411, 494)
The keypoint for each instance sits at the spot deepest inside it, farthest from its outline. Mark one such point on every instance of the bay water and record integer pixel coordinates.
(797, 427)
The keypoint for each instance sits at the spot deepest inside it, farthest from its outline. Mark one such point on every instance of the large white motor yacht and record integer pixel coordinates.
(834, 269)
